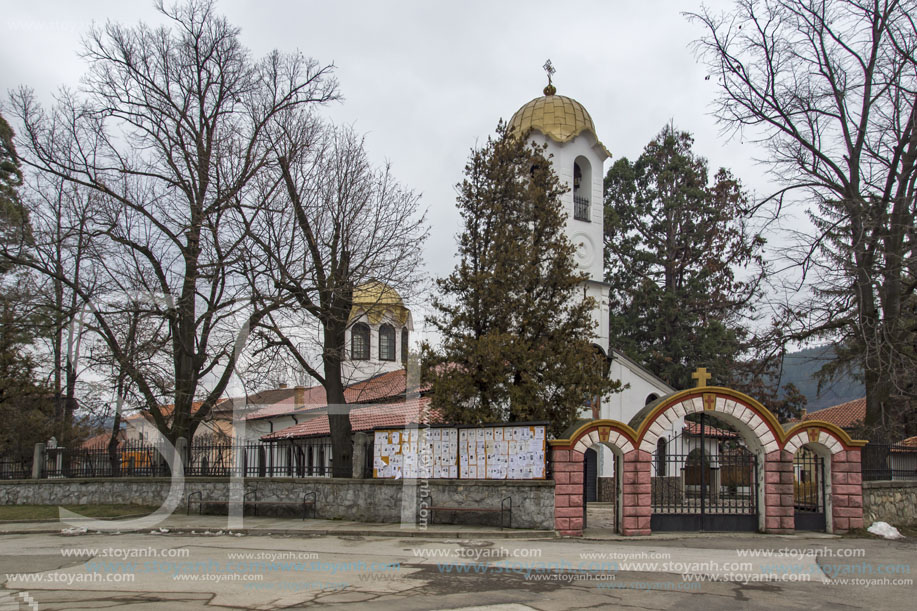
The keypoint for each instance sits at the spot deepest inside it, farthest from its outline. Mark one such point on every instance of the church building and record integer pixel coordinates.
(565, 127)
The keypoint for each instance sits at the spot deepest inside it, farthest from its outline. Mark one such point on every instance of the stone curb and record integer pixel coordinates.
(439, 534)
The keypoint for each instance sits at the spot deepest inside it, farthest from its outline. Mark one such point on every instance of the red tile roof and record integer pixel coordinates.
(910, 442)
(381, 388)
(314, 398)
(844, 415)
(365, 419)
(100, 441)
(377, 387)
(693, 428)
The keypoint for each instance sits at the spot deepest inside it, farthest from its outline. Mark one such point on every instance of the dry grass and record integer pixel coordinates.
(50, 512)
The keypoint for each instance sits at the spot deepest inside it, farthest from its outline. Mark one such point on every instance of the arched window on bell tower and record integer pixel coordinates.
(359, 342)
(582, 188)
(386, 342)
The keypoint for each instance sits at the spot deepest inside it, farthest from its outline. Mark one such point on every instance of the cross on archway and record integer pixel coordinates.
(701, 376)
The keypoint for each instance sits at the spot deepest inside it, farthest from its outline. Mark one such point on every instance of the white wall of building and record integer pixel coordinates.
(586, 235)
(354, 371)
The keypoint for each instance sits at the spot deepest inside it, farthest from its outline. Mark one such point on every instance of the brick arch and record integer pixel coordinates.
(612, 433)
(635, 443)
(753, 419)
(567, 463)
(757, 426)
(843, 471)
(833, 439)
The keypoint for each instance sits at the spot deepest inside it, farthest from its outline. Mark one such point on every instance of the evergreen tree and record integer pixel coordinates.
(13, 217)
(517, 337)
(26, 409)
(673, 241)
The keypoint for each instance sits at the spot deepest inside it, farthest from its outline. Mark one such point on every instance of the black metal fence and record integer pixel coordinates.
(129, 459)
(580, 208)
(15, 468)
(301, 458)
(704, 479)
(888, 461)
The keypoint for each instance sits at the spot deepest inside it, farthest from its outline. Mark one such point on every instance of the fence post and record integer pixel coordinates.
(181, 451)
(360, 448)
(38, 460)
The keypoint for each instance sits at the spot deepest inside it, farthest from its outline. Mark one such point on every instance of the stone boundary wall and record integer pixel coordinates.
(346, 499)
(606, 490)
(892, 501)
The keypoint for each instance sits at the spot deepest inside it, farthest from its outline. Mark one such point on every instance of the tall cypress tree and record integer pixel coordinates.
(683, 265)
(13, 216)
(25, 408)
(517, 334)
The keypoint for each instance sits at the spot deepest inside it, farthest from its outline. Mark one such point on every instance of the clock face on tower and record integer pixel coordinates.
(585, 250)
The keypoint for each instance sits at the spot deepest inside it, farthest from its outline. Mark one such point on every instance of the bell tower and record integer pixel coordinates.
(578, 156)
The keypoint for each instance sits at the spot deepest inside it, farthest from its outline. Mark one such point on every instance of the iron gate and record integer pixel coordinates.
(704, 478)
(809, 490)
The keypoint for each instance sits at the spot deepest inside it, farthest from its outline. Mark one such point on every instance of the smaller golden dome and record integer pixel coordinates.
(556, 116)
(378, 301)
(375, 293)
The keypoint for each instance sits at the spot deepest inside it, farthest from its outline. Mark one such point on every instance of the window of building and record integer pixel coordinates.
(582, 186)
(404, 345)
(359, 342)
(386, 343)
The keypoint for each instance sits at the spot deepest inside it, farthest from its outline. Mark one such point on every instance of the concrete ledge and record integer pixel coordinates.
(339, 481)
(892, 483)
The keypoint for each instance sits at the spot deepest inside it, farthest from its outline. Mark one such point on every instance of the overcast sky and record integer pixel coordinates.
(428, 80)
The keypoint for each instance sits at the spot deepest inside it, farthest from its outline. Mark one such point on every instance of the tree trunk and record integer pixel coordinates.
(338, 413)
(113, 456)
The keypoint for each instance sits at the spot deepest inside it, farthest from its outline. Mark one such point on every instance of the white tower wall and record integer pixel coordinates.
(587, 235)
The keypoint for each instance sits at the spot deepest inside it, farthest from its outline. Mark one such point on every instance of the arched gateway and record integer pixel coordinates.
(712, 458)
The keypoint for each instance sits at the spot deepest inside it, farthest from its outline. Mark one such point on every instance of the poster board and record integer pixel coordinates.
(494, 452)
(502, 452)
(425, 453)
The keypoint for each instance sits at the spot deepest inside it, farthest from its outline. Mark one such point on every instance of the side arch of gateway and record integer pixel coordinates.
(751, 474)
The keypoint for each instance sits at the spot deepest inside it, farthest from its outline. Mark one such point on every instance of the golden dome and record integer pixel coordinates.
(375, 293)
(378, 301)
(556, 116)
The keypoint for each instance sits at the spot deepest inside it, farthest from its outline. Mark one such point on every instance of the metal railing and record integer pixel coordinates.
(301, 458)
(15, 468)
(889, 461)
(129, 459)
(580, 208)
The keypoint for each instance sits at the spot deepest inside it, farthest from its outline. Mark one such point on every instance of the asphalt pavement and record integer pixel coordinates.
(198, 562)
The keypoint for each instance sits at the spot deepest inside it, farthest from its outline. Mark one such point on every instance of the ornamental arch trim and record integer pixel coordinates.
(755, 421)
(611, 433)
(833, 438)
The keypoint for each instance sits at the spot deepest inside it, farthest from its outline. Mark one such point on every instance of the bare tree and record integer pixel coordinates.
(61, 213)
(169, 134)
(830, 88)
(328, 222)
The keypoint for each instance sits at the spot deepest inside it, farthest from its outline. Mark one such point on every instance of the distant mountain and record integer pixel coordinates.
(801, 368)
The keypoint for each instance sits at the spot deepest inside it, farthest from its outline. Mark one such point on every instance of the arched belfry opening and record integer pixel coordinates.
(582, 189)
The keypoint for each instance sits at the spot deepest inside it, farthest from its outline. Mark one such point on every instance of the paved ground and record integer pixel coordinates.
(338, 565)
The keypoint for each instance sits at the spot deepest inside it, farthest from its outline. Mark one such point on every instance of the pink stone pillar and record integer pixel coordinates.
(846, 491)
(568, 491)
(636, 500)
(778, 493)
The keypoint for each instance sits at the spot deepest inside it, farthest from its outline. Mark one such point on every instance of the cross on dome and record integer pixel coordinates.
(549, 68)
